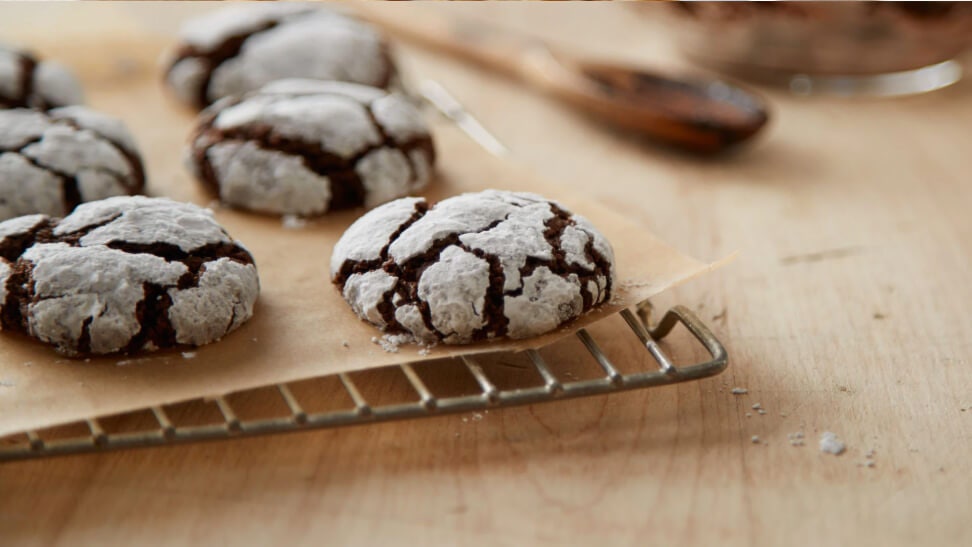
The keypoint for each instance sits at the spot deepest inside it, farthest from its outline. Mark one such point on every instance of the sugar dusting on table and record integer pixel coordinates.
(830, 444)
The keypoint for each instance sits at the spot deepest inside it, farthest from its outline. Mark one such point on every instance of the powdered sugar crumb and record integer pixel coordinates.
(293, 222)
(188, 355)
(830, 444)
(739, 391)
(345, 344)
(757, 406)
(796, 439)
(391, 342)
(754, 439)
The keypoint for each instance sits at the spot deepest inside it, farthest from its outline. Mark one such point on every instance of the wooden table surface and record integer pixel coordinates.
(846, 311)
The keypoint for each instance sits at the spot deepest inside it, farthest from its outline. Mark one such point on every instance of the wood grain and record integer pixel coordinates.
(847, 311)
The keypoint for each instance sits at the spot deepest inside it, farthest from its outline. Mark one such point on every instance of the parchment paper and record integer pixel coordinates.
(301, 323)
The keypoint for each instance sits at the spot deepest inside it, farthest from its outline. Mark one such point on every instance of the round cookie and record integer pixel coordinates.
(305, 147)
(27, 82)
(472, 267)
(123, 275)
(239, 49)
(50, 161)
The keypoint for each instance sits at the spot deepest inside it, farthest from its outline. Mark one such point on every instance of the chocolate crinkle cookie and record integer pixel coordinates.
(472, 267)
(239, 49)
(123, 275)
(305, 147)
(27, 82)
(52, 161)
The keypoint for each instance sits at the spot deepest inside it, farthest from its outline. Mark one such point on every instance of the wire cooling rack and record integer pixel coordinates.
(425, 403)
(159, 428)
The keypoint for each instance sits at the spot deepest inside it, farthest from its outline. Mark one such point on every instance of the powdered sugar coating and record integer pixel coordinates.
(306, 147)
(26, 81)
(473, 267)
(241, 48)
(52, 161)
(366, 237)
(124, 274)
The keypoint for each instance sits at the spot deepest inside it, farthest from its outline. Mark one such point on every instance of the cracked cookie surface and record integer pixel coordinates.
(241, 48)
(305, 147)
(28, 82)
(124, 275)
(473, 267)
(52, 161)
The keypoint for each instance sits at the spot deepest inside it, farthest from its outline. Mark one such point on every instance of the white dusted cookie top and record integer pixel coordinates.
(306, 147)
(124, 274)
(28, 82)
(240, 48)
(50, 161)
(472, 267)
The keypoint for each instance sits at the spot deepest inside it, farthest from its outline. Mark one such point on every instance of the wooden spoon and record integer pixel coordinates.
(701, 115)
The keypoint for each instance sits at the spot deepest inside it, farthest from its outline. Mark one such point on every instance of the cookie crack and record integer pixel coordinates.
(130, 156)
(559, 265)
(18, 288)
(347, 188)
(152, 313)
(194, 260)
(229, 48)
(423, 144)
(28, 64)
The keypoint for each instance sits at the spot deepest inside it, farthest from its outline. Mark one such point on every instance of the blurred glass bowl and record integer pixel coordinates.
(848, 48)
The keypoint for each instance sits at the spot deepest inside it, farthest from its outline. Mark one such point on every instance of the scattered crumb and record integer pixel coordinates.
(7, 384)
(749, 414)
(423, 351)
(391, 342)
(188, 355)
(739, 391)
(254, 338)
(465, 419)
(869, 454)
(477, 416)
(757, 406)
(87, 360)
(761, 411)
(782, 414)
(345, 344)
(28, 363)
(879, 315)
(124, 363)
(754, 439)
(866, 463)
(293, 222)
(830, 444)
(796, 439)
